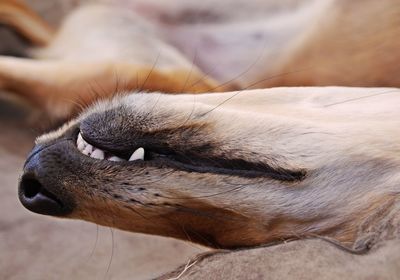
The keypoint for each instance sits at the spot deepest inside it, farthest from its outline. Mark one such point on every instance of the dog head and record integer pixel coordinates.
(224, 170)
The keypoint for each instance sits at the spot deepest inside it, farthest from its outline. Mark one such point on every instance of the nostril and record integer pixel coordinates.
(30, 187)
(36, 197)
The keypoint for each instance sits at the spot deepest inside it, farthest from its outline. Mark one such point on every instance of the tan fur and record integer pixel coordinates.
(74, 68)
(344, 142)
(62, 82)
(296, 43)
(70, 88)
(344, 139)
(25, 21)
(344, 47)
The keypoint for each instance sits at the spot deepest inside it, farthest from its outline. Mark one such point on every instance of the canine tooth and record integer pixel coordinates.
(115, 158)
(80, 139)
(80, 143)
(81, 146)
(138, 154)
(98, 154)
(88, 149)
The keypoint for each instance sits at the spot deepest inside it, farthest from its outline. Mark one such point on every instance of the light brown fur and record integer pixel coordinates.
(343, 159)
(296, 43)
(341, 144)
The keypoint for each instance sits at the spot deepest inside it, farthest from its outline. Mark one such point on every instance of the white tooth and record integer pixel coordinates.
(80, 139)
(88, 149)
(115, 158)
(98, 154)
(79, 143)
(138, 154)
(81, 146)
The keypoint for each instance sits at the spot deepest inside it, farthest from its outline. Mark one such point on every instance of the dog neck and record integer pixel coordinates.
(380, 225)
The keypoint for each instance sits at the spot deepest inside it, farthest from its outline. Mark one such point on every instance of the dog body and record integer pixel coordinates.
(201, 47)
(230, 169)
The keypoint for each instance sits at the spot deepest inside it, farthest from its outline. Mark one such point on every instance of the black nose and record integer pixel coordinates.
(36, 198)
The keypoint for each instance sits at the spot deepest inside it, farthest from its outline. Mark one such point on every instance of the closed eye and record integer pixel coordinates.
(194, 162)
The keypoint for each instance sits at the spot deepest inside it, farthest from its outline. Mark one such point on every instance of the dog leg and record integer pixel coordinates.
(60, 88)
(25, 21)
(348, 49)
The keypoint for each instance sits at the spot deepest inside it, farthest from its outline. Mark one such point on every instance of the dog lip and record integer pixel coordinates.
(195, 164)
(100, 154)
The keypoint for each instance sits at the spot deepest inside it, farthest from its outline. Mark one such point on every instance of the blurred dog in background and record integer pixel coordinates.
(107, 47)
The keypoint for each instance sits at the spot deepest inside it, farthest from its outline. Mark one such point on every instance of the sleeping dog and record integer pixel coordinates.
(226, 170)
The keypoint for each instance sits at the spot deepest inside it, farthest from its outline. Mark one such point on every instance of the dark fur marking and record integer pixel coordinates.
(184, 147)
